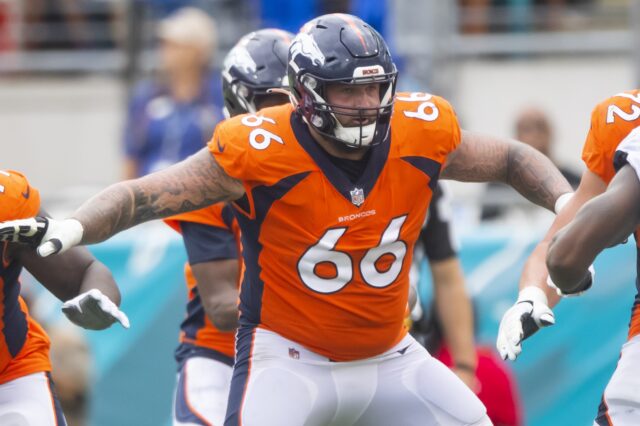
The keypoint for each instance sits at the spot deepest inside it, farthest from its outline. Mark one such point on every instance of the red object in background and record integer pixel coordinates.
(497, 386)
(6, 43)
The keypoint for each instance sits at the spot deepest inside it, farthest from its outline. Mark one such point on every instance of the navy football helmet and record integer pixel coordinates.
(340, 48)
(257, 63)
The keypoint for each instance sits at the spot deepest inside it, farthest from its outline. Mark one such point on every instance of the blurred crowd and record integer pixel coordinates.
(481, 16)
(98, 24)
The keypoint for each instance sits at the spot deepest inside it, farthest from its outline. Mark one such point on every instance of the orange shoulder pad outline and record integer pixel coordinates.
(18, 199)
(241, 144)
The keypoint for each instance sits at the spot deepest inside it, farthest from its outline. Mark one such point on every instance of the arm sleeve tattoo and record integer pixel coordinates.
(481, 158)
(191, 184)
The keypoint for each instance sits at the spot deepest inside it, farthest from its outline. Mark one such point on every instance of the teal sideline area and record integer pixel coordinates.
(561, 372)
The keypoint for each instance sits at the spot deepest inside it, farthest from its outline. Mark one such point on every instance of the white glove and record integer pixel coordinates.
(50, 235)
(94, 311)
(530, 313)
(27, 231)
(584, 285)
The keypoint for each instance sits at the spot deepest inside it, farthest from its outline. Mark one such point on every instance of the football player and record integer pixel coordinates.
(611, 143)
(27, 394)
(330, 193)
(254, 66)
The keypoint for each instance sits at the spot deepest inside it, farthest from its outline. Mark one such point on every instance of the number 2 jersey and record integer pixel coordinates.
(24, 346)
(327, 260)
(609, 146)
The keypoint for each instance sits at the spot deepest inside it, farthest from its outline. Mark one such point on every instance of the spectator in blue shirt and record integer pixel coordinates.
(173, 116)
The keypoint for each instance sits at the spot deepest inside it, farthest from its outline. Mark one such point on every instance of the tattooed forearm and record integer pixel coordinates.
(481, 158)
(192, 184)
(534, 176)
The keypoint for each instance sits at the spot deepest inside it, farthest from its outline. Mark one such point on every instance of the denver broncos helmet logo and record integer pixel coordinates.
(305, 45)
(241, 58)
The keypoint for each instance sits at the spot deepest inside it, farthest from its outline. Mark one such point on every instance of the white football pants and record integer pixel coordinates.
(279, 383)
(202, 389)
(30, 401)
(621, 400)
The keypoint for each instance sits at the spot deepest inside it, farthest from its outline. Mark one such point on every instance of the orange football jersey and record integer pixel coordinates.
(24, 346)
(327, 260)
(197, 329)
(611, 121)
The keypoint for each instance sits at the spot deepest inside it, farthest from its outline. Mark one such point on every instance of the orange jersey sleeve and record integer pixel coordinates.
(211, 215)
(243, 144)
(611, 122)
(18, 199)
(429, 122)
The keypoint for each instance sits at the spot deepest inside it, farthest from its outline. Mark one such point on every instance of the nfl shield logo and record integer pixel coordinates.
(357, 196)
(293, 353)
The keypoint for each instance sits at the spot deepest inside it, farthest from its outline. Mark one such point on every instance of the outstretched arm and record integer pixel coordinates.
(70, 274)
(86, 286)
(535, 270)
(482, 158)
(602, 222)
(531, 311)
(191, 184)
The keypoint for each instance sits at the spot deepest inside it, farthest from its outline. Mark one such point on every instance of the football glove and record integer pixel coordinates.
(49, 235)
(529, 314)
(584, 285)
(27, 231)
(94, 311)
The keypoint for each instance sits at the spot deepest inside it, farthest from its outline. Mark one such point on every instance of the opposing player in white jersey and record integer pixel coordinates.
(255, 65)
(594, 221)
(607, 220)
(330, 193)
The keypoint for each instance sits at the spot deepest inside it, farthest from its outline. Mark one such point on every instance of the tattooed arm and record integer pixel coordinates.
(482, 158)
(191, 184)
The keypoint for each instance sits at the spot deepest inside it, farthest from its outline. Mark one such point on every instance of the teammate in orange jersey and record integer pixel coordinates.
(611, 143)
(26, 391)
(330, 193)
(257, 63)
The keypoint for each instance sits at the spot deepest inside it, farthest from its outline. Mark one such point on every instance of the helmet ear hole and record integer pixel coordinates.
(310, 82)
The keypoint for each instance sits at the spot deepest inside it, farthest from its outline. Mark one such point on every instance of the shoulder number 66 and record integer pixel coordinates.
(260, 138)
